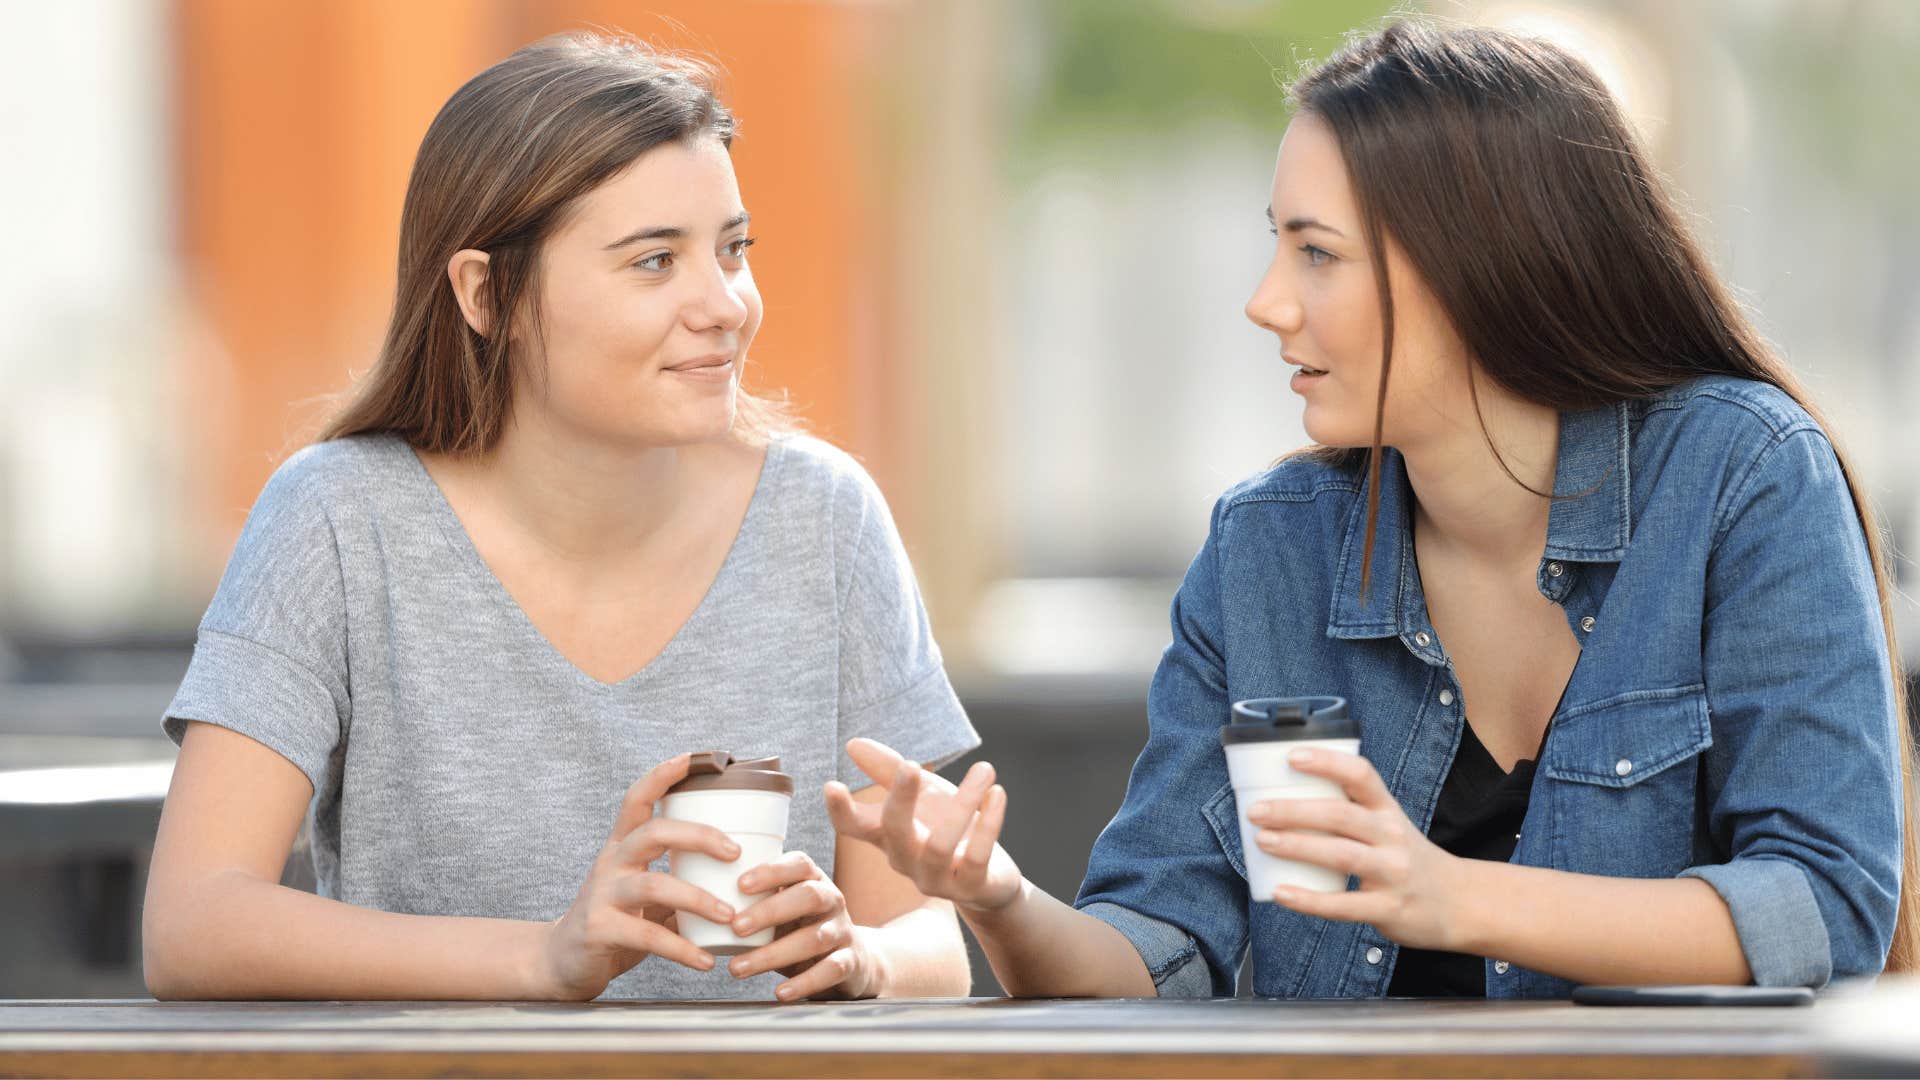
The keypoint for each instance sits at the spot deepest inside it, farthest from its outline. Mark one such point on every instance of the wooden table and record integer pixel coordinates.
(928, 1038)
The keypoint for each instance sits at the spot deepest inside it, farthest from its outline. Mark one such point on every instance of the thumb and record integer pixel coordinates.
(850, 818)
(636, 808)
(876, 759)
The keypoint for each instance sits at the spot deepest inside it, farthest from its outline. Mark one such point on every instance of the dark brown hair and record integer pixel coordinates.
(500, 167)
(1508, 175)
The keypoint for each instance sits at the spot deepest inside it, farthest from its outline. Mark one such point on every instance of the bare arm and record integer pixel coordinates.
(218, 925)
(1593, 929)
(944, 840)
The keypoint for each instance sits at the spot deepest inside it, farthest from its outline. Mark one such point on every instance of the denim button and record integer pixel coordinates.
(1422, 639)
(1374, 954)
(1446, 697)
(1499, 967)
(1587, 624)
(1622, 767)
(1555, 569)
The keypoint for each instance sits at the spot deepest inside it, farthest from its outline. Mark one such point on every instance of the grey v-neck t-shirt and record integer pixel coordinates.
(463, 766)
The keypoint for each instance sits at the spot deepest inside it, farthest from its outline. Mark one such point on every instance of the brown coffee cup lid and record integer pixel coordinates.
(716, 770)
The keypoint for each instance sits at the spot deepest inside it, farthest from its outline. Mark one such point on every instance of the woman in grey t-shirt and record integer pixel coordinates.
(470, 634)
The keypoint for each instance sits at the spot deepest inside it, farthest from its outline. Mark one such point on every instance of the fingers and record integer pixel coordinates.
(639, 892)
(800, 944)
(636, 807)
(958, 814)
(806, 901)
(1336, 816)
(832, 970)
(1366, 907)
(876, 759)
(778, 873)
(1355, 775)
(1332, 852)
(661, 835)
(850, 818)
(984, 834)
(630, 931)
(900, 835)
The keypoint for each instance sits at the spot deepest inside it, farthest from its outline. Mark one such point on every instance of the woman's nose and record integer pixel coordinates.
(1272, 306)
(719, 304)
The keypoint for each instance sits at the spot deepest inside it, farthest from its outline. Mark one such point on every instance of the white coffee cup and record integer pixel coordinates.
(1263, 732)
(747, 800)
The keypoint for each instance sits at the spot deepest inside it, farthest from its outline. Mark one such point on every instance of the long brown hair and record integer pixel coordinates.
(501, 165)
(1509, 176)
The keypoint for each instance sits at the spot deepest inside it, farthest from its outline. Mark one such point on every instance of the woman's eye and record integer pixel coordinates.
(738, 248)
(659, 261)
(1316, 256)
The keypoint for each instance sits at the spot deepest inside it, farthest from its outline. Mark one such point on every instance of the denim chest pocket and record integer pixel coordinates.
(1624, 782)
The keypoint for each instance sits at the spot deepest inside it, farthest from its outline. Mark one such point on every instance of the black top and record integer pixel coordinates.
(1478, 817)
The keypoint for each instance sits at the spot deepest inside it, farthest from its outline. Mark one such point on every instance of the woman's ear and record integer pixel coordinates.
(467, 270)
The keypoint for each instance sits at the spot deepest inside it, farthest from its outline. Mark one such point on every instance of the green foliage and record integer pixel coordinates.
(1127, 67)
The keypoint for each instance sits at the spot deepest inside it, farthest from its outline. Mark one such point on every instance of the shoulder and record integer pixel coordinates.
(1721, 440)
(312, 502)
(325, 475)
(1743, 412)
(817, 477)
(1305, 481)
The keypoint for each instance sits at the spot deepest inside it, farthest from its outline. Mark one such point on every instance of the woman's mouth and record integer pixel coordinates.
(706, 369)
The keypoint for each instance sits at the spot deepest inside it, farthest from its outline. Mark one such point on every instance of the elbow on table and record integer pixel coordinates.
(176, 960)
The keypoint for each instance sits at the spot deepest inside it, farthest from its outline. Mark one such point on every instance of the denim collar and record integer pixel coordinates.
(1594, 527)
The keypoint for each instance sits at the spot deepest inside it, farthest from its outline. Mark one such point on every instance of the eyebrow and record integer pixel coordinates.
(1296, 224)
(673, 232)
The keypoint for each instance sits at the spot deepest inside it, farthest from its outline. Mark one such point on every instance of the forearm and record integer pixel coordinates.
(1592, 929)
(234, 937)
(1040, 947)
(921, 953)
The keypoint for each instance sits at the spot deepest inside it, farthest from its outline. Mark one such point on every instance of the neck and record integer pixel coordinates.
(587, 500)
(1465, 504)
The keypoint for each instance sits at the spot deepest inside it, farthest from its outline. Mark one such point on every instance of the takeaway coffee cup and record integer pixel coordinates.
(1257, 742)
(748, 801)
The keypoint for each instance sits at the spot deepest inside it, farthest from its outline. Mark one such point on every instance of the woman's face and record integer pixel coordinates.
(647, 304)
(1320, 298)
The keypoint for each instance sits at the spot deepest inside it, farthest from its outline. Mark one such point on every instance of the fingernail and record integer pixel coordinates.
(742, 926)
(738, 967)
(706, 961)
(785, 993)
(749, 883)
(1301, 757)
(723, 913)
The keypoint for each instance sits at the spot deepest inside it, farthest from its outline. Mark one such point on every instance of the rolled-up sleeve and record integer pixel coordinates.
(1803, 784)
(1157, 873)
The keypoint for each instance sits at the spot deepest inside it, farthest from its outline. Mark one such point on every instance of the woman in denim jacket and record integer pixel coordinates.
(1609, 603)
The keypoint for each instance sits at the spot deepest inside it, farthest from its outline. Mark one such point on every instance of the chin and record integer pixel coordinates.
(1339, 432)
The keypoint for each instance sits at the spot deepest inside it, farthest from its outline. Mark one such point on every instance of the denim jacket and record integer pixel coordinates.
(1731, 716)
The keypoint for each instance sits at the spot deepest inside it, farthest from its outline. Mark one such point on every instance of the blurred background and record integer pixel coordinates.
(1004, 251)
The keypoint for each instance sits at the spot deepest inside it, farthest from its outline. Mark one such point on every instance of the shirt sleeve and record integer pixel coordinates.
(1158, 874)
(1803, 780)
(270, 658)
(893, 685)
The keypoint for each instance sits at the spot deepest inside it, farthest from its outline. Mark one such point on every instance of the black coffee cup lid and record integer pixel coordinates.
(1289, 720)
